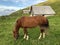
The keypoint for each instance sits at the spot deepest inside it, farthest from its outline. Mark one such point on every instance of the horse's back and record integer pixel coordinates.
(28, 21)
(33, 21)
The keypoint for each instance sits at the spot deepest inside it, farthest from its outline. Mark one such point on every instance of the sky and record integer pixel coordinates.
(13, 5)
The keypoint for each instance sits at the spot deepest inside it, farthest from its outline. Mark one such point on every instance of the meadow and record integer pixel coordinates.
(53, 33)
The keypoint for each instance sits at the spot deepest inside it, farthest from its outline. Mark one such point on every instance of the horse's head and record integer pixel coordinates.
(15, 34)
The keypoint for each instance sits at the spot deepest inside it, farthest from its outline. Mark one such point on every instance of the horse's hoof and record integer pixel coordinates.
(43, 37)
(39, 38)
(26, 39)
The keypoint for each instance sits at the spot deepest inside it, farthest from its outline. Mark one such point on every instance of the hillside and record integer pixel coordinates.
(53, 33)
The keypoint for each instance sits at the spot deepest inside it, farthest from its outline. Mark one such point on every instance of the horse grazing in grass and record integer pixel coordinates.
(29, 22)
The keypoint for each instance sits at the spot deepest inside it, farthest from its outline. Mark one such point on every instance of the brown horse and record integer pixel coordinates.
(29, 22)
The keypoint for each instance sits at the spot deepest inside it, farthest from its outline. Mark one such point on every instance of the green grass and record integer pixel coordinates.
(52, 37)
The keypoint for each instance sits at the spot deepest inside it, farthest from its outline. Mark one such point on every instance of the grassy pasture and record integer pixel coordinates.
(52, 37)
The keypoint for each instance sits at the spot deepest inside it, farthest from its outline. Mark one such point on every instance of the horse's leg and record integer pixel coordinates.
(26, 34)
(42, 33)
(40, 36)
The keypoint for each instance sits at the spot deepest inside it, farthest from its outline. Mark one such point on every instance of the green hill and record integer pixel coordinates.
(53, 33)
